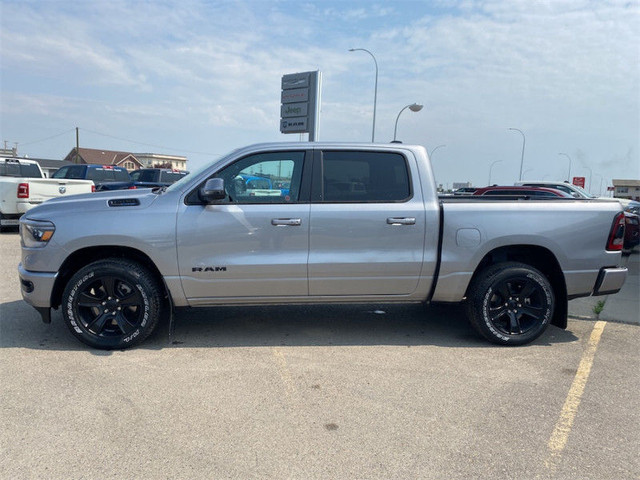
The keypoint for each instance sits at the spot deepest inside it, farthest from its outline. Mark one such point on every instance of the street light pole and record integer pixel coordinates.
(600, 189)
(491, 168)
(435, 148)
(590, 175)
(375, 90)
(522, 157)
(569, 176)
(414, 107)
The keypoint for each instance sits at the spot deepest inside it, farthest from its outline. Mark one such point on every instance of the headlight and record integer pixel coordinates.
(36, 233)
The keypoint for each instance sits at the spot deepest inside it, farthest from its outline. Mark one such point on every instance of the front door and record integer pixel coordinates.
(253, 244)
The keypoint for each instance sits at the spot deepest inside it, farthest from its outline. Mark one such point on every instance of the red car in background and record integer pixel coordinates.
(521, 190)
(632, 220)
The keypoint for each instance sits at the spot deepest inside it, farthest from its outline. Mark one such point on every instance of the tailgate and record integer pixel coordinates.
(42, 189)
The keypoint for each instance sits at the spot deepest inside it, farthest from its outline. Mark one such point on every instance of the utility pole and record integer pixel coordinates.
(522, 157)
(77, 156)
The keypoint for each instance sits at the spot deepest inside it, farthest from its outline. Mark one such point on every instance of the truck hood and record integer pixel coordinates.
(122, 200)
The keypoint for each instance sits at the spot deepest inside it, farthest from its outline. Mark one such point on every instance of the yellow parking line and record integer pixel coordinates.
(560, 434)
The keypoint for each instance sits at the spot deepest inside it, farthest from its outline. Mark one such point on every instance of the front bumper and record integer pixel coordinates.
(36, 287)
(610, 281)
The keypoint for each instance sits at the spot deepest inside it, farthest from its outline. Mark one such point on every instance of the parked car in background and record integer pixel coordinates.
(633, 207)
(520, 190)
(256, 186)
(156, 177)
(631, 232)
(23, 185)
(464, 191)
(570, 188)
(104, 177)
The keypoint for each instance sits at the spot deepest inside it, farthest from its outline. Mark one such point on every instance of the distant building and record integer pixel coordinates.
(128, 160)
(626, 189)
(457, 185)
(103, 157)
(8, 152)
(159, 160)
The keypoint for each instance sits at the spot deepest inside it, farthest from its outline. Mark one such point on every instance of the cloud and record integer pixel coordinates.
(564, 72)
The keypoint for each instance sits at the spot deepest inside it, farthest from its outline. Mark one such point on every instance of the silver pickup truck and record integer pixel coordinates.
(352, 223)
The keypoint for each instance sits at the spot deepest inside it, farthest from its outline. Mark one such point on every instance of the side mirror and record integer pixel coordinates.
(212, 191)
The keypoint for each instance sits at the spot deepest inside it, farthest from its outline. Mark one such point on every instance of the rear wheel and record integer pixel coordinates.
(510, 303)
(112, 303)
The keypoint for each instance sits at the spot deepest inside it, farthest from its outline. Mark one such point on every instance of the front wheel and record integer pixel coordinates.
(510, 303)
(112, 303)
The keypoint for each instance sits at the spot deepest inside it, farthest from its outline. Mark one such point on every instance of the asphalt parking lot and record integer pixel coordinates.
(373, 391)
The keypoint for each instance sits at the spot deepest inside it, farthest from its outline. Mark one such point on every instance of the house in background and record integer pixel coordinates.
(626, 189)
(103, 157)
(128, 160)
(159, 160)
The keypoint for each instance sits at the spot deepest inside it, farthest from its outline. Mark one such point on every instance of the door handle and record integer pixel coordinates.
(286, 222)
(401, 220)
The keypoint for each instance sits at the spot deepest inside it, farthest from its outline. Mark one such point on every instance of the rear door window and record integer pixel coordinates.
(75, 172)
(351, 176)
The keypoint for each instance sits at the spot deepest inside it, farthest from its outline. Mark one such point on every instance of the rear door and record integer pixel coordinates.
(367, 224)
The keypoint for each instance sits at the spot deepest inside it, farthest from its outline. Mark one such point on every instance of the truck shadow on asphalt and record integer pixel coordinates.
(275, 326)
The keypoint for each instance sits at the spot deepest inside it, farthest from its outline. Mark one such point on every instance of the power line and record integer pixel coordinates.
(48, 138)
(151, 144)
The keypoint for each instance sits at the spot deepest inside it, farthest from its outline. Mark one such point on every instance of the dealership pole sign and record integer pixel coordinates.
(579, 181)
(300, 103)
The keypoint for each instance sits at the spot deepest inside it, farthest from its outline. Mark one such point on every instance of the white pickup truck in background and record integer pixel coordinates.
(22, 186)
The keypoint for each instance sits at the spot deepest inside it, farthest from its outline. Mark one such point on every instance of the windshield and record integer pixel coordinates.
(584, 192)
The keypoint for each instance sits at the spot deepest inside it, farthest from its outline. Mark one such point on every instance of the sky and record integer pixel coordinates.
(201, 78)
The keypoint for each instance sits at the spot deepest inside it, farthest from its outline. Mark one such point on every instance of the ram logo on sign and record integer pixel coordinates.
(300, 103)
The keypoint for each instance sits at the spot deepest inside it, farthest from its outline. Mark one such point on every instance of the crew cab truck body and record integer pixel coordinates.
(114, 261)
(23, 186)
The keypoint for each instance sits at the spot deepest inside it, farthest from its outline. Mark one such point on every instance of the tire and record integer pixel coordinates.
(2, 227)
(112, 304)
(510, 303)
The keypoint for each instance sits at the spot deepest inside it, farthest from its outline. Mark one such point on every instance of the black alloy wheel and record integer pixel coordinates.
(110, 306)
(112, 303)
(517, 305)
(511, 303)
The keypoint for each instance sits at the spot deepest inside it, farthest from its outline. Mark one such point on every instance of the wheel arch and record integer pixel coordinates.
(540, 258)
(85, 256)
